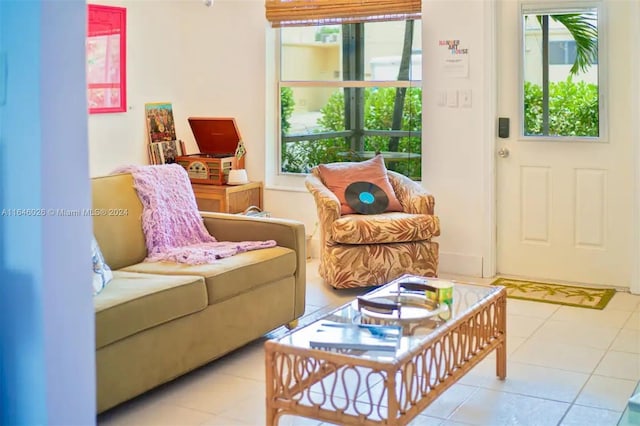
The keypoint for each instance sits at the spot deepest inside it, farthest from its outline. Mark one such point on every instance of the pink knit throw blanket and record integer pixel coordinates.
(173, 228)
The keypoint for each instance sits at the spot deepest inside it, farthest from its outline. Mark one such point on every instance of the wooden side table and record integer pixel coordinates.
(228, 198)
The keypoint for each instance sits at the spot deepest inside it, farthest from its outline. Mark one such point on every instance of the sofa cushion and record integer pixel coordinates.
(384, 228)
(338, 176)
(135, 302)
(233, 275)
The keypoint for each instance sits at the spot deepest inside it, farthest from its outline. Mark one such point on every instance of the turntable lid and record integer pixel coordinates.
(215, 134)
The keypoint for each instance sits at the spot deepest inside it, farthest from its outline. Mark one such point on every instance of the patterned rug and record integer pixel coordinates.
(583, 297)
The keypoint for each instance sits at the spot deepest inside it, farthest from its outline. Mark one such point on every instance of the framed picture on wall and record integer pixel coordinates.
(160, 123)
(106, 59)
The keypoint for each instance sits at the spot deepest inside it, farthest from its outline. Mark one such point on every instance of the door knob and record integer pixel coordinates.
(503, 152)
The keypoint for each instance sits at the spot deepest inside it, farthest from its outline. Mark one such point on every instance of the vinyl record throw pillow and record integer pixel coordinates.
(366, 198)
(338, 176)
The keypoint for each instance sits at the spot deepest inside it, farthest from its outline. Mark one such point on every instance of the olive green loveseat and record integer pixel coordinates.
(157, 321)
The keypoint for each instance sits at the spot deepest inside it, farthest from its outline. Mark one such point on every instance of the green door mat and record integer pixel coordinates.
(582, 297)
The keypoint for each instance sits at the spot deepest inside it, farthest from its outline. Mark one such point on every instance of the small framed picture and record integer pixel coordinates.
(106, 59)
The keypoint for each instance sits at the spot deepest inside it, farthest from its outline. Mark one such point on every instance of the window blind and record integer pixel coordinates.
(291, 13)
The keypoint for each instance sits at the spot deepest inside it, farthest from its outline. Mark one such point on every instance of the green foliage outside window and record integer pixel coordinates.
(573, 109)
(286, 108)
(299, 157)
(325, 33)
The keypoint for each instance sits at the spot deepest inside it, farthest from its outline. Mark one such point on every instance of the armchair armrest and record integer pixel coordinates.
(286, 233)
(327, 204)
(413, 197)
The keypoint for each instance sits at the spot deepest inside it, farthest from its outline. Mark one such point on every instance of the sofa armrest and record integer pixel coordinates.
(412, 196)
(286, 233)
(235, 227)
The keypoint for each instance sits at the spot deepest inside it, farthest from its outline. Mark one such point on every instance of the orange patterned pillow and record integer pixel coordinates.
(337, 176)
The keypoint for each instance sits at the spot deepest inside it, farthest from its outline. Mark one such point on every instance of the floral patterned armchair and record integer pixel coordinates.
(366, 250)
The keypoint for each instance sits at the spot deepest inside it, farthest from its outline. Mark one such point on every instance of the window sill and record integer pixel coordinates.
(285, 188)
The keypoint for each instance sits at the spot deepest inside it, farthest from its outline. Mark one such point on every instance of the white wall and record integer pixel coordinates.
(206, 61)
(213, 61)
(219, 61)
(455, 139)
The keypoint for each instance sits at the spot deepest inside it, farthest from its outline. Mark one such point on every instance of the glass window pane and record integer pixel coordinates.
(324, 123)
(326, 133)
(312, 110)
(384, 45)
(558, 53)
(380, 108)
(561, 93)
(311, 53)
(572, 52)
(316, 53)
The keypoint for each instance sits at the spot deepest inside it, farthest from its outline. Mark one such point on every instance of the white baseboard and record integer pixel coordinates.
(460, 264)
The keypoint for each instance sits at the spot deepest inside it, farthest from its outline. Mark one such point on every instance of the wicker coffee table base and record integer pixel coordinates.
(350, 390)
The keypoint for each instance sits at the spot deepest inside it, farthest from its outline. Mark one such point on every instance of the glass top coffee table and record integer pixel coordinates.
(359, 387)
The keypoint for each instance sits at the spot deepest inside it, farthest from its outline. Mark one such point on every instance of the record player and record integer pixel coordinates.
(217, 139)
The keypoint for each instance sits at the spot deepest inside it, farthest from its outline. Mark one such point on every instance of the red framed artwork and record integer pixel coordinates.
(106, 59)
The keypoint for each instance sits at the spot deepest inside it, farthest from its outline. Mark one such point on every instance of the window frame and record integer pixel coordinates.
(559, 8)
(340, 84)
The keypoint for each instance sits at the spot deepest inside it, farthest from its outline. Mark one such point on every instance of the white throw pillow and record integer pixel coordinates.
(101, 272)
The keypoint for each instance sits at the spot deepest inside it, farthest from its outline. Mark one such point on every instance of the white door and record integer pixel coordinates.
(564, 208)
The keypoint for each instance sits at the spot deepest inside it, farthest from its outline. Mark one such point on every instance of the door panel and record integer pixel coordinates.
(564, 208)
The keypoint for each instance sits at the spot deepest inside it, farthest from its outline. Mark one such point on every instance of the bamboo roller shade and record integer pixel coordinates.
(290, 13)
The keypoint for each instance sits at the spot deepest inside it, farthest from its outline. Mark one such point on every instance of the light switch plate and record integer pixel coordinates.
(441, 97)
(452, 98)
(465, 98)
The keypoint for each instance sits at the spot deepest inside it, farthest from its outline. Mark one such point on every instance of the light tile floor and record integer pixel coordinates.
(566, 366)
